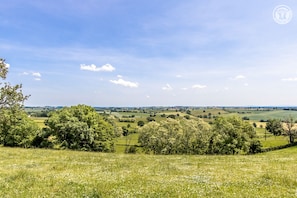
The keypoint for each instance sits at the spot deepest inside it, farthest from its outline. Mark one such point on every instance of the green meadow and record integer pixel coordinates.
(63, 173)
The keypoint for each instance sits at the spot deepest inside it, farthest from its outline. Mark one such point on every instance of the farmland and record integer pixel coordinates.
(66, 173)
(259, 116)
(63, 173)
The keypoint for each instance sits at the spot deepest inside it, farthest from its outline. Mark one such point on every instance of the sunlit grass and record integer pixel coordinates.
(269, 140)
(52, 173)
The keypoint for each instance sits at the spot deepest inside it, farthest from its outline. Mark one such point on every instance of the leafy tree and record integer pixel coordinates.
(231, 135)
(16, 129)
(11, 97)
(275, 127)
(140, 123)
(82, 128)
(175, 137)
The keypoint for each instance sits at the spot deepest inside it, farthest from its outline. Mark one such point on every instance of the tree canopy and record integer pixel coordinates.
(226, 136)
(275, 127)
(81, 128)
(16, 129)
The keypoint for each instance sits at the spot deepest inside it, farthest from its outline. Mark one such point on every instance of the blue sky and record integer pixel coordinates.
(150, 53)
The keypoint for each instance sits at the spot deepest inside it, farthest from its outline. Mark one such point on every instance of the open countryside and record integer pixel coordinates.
(148, 99)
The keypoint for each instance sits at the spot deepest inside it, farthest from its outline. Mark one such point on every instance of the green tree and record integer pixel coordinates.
(15, 127)
(231, 135)
(18, 130)
(275, 127)
(175, 137)
(81, 128)
(140, 123)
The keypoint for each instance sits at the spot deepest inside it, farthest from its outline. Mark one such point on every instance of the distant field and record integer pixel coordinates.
(269, 140)
(39, 121)
(265, 115)
(52, 173)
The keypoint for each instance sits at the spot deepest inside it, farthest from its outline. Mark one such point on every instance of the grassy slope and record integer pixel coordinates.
(51, 173)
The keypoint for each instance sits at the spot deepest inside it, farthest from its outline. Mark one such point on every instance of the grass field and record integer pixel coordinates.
(52, 173)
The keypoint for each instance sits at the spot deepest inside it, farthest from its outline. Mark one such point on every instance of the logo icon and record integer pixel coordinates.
(282, 14)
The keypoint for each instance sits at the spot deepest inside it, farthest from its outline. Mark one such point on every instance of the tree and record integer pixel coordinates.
(231, 135)
(275, 127)
(140, 123)
(18, 130)
(175, 137)
(81, 128)
(11, 97)
(290, 129)
(15, 127)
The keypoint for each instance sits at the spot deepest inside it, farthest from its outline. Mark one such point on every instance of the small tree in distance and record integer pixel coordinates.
(275, 127)
(290, 130)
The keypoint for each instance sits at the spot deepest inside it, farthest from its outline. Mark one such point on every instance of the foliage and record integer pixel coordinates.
(140, 123)
(175, 137)
(274, 126)
(16, 129)
(229, 135)
(10, 96)
(255, 147)
(81, 128)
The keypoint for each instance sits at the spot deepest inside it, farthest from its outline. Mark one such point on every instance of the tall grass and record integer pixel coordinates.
(52, 173)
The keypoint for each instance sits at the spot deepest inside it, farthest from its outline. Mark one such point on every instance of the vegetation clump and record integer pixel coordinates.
(229, 135)
(16, 129)
(78, 127)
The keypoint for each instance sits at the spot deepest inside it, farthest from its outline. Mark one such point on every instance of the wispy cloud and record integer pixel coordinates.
(36, 75)
(92, 67)
(199, 86)
(289, 79)
(125, 83)
(167, 87)
(238, 77)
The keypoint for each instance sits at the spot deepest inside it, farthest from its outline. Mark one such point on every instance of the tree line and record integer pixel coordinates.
(227, 135)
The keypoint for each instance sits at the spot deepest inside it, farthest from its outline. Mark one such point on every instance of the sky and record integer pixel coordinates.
(151, 53)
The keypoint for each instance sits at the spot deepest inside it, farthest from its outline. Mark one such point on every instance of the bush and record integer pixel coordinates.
(80, 128)
(131, 149)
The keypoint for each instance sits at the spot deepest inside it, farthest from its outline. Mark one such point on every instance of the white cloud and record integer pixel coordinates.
(125, 83)
(289, 79)
(92, 67)
(167, 87)
(7, 65)
(199, 86)
(178, 76)
(246, 84)
(238, 77)
(36, 74)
